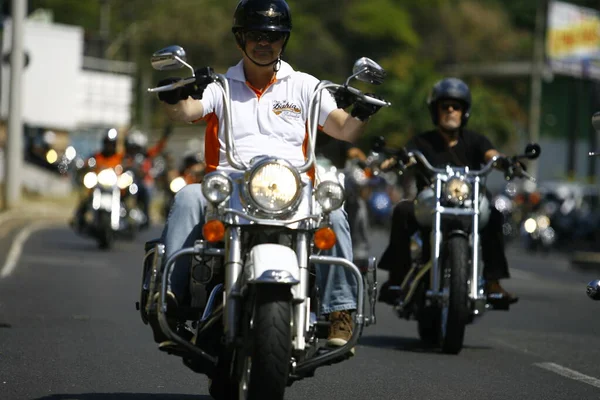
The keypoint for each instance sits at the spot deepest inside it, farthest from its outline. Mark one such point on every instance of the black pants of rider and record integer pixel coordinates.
(143, 199)
(397, 257)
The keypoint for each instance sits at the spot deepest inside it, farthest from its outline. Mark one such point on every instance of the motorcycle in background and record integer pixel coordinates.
(111, 211)
(446, 293)
(593, 288)
(255, 324)
(192, 170)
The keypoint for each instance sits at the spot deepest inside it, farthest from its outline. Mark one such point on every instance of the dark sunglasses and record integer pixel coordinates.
(457, 106)
(259, 36)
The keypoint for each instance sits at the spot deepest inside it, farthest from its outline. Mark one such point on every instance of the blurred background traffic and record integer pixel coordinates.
(532, 67)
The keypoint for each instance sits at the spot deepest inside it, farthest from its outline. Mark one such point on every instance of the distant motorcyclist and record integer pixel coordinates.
(107, 157)
(450, 143)
(138, 158)
(192, 168)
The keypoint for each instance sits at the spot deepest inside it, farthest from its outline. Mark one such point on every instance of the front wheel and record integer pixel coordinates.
(455, 308)
(265, 363)
(105, 236)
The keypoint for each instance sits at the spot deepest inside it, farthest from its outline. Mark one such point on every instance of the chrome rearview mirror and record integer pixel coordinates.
(367, 70)
(170, 58)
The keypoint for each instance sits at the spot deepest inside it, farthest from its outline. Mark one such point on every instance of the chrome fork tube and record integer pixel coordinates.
(300, 292)
(437, 240)
(115, 212)
(233, 270)
(475, 256)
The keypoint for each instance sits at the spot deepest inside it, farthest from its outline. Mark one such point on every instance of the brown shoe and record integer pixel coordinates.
(340, 330)
(496, 292)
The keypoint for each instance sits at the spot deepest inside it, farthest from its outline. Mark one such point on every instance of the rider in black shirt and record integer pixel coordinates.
(449, 105)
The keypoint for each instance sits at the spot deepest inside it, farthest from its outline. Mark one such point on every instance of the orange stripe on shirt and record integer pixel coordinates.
(311, 171)
(212, 146)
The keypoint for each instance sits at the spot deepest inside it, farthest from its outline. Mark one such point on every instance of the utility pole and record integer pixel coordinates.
(535, 104)
(13, 154)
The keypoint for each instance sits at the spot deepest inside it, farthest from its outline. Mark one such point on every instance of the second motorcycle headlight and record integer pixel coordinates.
(274, 187)
(457, 190)
(330, 195)
(216, 187)
(125, 180)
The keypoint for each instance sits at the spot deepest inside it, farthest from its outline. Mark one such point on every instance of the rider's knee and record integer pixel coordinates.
(189, 197)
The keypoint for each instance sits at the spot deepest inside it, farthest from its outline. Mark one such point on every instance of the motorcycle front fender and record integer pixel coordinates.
(272, 263)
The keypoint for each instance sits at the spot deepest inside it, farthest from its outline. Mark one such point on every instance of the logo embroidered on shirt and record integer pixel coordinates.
(287, 109)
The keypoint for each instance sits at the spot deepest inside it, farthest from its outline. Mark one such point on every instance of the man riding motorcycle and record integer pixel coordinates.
(270, 110)
(139, 158)
(107, 157)
(450, 143)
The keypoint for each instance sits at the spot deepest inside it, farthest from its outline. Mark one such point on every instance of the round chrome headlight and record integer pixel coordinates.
(274, 186)
(330, 195)
(457, 190)
(90, 180)
(216, 187)
(107, 177)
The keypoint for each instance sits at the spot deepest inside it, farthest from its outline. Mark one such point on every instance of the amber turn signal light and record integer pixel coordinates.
(325, 238)
(213, 231)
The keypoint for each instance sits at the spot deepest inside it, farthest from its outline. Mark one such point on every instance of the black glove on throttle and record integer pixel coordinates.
(343, 97)
(203, 79)
(363, 110)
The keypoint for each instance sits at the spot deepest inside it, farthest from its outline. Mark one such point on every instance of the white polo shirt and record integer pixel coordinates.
(269, 123)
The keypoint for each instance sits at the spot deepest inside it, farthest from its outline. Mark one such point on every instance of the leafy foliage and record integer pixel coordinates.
(414, 41)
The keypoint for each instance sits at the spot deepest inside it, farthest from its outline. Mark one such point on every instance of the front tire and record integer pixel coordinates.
(265, 365)
(105, 233)
(455, 281)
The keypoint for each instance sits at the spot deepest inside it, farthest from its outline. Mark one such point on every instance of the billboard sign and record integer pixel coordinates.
(573, 40)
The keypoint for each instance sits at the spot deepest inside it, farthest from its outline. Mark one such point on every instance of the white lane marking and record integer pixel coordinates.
(52, 260)
(16, 247)
(569, 373)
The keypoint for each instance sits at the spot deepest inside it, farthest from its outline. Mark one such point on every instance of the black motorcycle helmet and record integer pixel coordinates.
(450, 88)
(109, 142)
(261, 15)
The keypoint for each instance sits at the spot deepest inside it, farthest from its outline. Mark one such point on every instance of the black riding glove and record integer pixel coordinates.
(203, 79)
(363, 110)
(172, 96)
(343, 97)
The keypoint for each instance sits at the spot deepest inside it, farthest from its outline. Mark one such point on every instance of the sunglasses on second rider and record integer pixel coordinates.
(259, 36)
(446, 104)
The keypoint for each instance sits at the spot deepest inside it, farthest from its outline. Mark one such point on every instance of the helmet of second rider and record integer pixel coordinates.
(135, 142)
(109, 142)
(450, 89)
(263, 20)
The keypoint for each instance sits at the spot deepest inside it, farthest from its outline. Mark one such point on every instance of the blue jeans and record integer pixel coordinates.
(184, 227)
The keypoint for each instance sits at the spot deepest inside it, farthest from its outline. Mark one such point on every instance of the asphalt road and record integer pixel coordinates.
(69, 330)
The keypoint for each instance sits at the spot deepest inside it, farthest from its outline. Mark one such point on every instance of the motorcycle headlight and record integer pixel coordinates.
(216, 187)
(274, 186)
(125, 180)
(90, 180)
(107, 177)
(457, 190)
(530, 225)
(330, 195)
(542, 221)
(177, 184)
